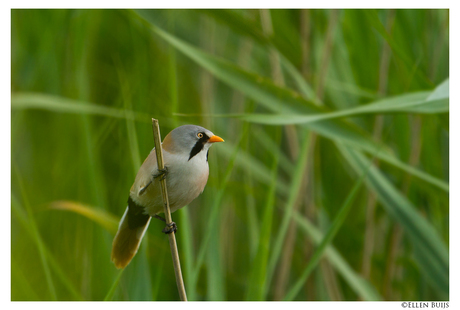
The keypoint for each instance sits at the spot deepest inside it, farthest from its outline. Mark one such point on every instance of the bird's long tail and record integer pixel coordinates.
(128, 238)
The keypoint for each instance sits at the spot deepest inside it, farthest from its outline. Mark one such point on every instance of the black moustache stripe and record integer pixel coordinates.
(199, 145)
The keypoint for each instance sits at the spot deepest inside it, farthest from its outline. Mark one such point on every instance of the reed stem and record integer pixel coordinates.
(164, 191)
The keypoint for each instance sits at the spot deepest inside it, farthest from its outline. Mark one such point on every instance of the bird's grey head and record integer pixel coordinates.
(189, 139)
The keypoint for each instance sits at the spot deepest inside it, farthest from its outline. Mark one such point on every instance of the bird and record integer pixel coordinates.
(185, 156)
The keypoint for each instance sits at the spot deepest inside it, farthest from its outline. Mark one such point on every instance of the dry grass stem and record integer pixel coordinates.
(164, 191)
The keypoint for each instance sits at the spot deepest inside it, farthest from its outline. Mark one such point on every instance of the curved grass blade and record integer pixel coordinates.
(361, 287)
(249, 28)
(283, 101)
(103, 218)
(53, 103)
(275, 98)
(338, 221)
(412, 103)
(434, 256)
(425, 102)
(441, 184)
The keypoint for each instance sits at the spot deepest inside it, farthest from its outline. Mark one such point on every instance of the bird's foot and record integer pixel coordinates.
(170, 228)
(161, 173)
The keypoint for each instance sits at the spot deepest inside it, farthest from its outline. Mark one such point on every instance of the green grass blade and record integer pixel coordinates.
(22, 217)
(36, 236)
(338, 221)
(23, 283)
(352, 89)
(186, 247)
(130, 125)
(424, 237)
(294, 191)
(408, 62)
(215, 276)
(302, 85)
(112, 289)
(246, 161)
(215, 209)
(361, 287)
(251, 28)
(433, 102)
(258, 275)
(238, 23)
(21, 101)
(282, 100)
(406, 103)
(81, 109)
(270, 145)
(441, 184)
(251, 206)
(158, 280)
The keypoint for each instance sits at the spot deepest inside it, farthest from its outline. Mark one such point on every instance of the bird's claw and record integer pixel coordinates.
(170, 228)
(161, 173)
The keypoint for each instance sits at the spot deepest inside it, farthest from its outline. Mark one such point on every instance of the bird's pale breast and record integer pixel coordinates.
(185, 181)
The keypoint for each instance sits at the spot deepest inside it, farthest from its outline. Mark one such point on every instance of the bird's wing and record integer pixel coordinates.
(146, 190)
(145, 174)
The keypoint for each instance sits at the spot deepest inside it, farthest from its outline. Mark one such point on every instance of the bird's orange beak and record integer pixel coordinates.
(215, 139)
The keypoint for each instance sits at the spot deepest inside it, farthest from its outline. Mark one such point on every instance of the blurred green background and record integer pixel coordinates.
(332, 183)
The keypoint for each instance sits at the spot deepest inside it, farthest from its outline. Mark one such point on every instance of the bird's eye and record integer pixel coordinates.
(200, 135)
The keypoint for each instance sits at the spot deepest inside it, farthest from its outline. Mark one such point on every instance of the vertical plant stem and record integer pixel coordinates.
(208, 31)
(172, 66)
(377, 132)
(258, 274)
(327, 273)
(370, 211)
(396, 235)
(240, 104)
(294, 192)
(288, 252)
(186, 231)
(164, 191)
(397, 232)
(330, 281)
(293, 146)
(267, 27)
(309, 210)
(327, 240)
(328, 44)
(305, 31)
(438, 47)
(213, 216)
